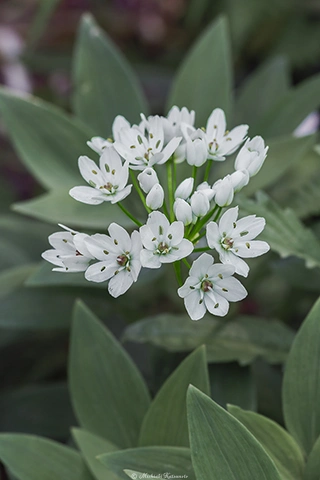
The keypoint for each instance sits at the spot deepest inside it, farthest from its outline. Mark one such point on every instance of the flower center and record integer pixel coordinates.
(163, 248)
(206, 285)
(227, 243)
(111, 188)
(122, 260)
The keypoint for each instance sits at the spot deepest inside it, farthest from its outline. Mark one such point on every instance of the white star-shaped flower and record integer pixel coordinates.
(175, 119)
(107, 183)
(251, 156)
(163, 242)
(144, 149)
(98, 144)
(119, 259)
(220, 141)
(210, 287)
(233, 239)
(69, 252)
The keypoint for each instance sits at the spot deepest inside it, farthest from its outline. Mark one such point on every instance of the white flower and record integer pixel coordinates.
(175, 119)
(119, 259)
(199, 203)
(220, 141)
(108, 183)
(147, 179)
(98, 144)
(251, 156)
(233, 239)
(163, 242)
(69, 251)
(185, 188)
(223, 191)
(182, 211)
(210, 287)
(155, 197)
(239, 179)
(143, 150)
(196, 147)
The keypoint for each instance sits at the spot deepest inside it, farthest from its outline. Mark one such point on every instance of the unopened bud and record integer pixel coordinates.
(155, 197)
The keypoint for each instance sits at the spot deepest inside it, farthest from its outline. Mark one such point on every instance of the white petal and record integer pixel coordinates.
(120, 237)
(52, 256)
(182, 211)
(147, 237)
(169, 149)
(80, 244)
(120, 283)
(100, 272)
(218, 271)
(90, 172)
(176, 232)
(195, 308)
(227, 220)
(216, 125)
(216, 304)
(229, 258)
(251, 249)
(119, 123)
(88, 195)
(155, 197)
(185, 188)
(231, 289)
(62, 241)
(213, 235)
(101, 247)
(158, 224)
(249, 227)
(149, 260)
(233, 139)
(189, 285)
(120, 195)
(201, 265)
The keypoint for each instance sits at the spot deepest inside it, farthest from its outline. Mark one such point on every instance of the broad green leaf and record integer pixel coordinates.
(34, 458)
(295, 273)
(290, 111)
(150, 460)
(285, 233)
(273, 79)
(58, 207)
(25, 308)
(232, 383)
(221, 447)
(204, 80)
(91, 446)
(102, 374)
(47, 140)
(278, 444)
(306, 200)
(165, 423)
(284, 153)
(313, 463)
(301, 383)
(105, 86)
(39, 409)
(242, 339)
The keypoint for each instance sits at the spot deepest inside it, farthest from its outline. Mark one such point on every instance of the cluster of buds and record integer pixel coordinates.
(181, 219)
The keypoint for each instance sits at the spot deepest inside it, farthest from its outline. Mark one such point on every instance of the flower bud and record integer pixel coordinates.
(184, 189)
(223, 191)
(239, 179)
(196, 151)
(147, 179)
(205, 188)
(155, 197)
(200, 204)
(182, 211)
(251, 156)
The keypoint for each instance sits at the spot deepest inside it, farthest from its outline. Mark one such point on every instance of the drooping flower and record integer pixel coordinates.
(220, 141)
(107, 183)
(69, 252)
(233, 239)
(163, 242)
(175, 119)
(210, 287)
(118, 257)
(251, 156)
(223, 191)
(144, 150)
(155, 197)
(182, 211)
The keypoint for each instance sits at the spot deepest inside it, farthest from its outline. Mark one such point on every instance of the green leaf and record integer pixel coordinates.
(285, 233)
(58, 207)
(47, 140)
(313, 463)
(204, 80)
(102, 374)
(301, 383)
(24, 307)
(306, 200)
(34, 458)
(278, 444)
(221, 447)
(232, 383)
(289, 112)
(284, 153)
(165, 423)
(273, 79)
(242, 339)
(150, 460)
(91, 446)
(39, 409)
(100, 70)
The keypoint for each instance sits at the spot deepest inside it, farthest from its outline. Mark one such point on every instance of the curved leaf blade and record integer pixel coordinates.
(101, 374)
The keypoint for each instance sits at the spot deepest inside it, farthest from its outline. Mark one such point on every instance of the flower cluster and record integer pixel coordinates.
(179, 216)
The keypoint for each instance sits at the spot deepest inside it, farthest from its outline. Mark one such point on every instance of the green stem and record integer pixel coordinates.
(170, 190)
(129, 214)
(174, 176)
(194, 176)
(185, 261)
(217, 214)
(203, 249)
(177, 269)
(140, 192)
(207, 171)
